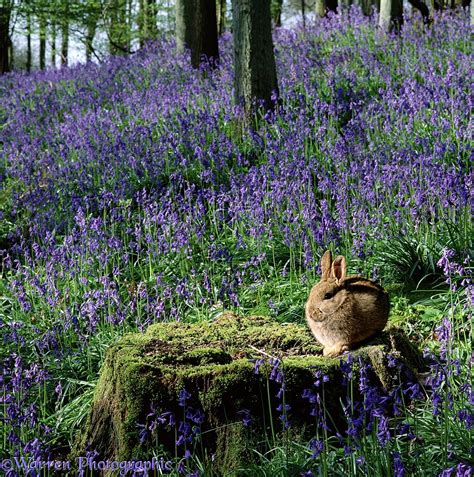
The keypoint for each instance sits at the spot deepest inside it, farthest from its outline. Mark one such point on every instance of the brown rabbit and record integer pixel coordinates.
(343, 311)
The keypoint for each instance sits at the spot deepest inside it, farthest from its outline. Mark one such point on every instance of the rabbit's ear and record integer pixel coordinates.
(326, 260)
(338, 269)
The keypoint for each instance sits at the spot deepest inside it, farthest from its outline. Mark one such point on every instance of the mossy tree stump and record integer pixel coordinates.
(214, 362)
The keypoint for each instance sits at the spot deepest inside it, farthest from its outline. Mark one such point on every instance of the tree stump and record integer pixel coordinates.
(215, 363)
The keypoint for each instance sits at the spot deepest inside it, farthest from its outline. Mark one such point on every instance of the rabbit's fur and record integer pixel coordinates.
(343, 311)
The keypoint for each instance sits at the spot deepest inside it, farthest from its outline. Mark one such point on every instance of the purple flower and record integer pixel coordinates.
(143, 433)
(246, 417)
(320, 377)
(276, 373)
(414, 391)
(444, 331)
(383, 432)
(398, 468)
(348, 450)
(392, 361)
(258, 363)
(167, 418)
(195, 415)
(460, 470)
(317, 446)
(183, 397)
(466, 417)
(346, 368)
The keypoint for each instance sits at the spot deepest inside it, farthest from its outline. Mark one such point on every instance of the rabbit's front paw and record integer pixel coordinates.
(336, 350)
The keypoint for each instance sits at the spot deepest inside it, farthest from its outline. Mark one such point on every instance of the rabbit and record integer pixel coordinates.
(343, 311)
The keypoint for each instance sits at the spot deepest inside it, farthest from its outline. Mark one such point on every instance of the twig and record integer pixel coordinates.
(262, 352)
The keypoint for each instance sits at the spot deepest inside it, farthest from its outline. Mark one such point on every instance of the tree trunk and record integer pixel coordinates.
(147, 20)
(277, 6)
(90, 34)
(255, 70)
(208, 31)
(367, 7)
(303, 12)
(93, 15)
(471, 7)
(5, 14)
(324, 6)
(53, 44)
(221, 14)
(423, 8)
(11, 53)
(141, 21)
(118, 32)
(42, 40)
(321, 8)
(196, 29)
(152, 12)
(345, 4)
(431, 8)
(185, 19)
(171, 22)
(129, 23)
(65, 34)
(28, 41)
(391, 15)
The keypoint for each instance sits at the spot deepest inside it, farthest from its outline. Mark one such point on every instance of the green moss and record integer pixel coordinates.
(214, 361)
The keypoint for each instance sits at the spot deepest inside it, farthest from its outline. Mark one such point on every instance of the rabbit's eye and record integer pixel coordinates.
(328, 295)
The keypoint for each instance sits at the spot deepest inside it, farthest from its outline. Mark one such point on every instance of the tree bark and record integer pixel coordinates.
(147, 20)
(324, 6)
(320, 8)
(152, 12)
(431, 8)
(185, 18)
(391, 15)
(221, 14)
(118, 31)
(423, 8)
(90, 34)
(65, 34)
(5, 15)
(208, 31)
(93, 14)
(303, 12)
(42, 40)
(277, 6)
(141, 21)
(196, 29)
(367, 7)
(255, 70)
(129, 23)
(28, 40)
(11, 53)
(53, 44)
(345, 4)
